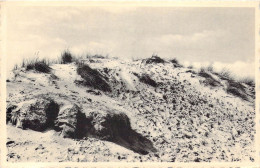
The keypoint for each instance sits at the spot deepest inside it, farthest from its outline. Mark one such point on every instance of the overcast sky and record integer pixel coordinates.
(224, 35)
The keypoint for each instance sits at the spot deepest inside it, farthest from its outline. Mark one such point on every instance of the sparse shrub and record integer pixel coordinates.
(66, 57)
(209, 80)
(42, 67)
(248, 81)
(175, 61)
(210, 68)
(145, 78)
(153, 59)
(236, 89)
(225, 74)
(92, 78)
(37, 65)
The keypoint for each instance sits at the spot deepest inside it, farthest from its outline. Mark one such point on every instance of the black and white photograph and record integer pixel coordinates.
(126, 82)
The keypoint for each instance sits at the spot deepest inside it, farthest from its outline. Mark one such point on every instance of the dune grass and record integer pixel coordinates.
(92, 78)
(39, 65)
(66, 57)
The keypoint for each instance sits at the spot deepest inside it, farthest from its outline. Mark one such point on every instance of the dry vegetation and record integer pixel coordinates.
(154, 109)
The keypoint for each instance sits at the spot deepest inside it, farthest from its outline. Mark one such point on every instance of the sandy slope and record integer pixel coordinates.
(183, 119)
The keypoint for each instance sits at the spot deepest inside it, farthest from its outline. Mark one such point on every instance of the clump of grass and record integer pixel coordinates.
(209, 80)
(225, 74)
(210, 68)
(145, 78)
(175, 61)
(37, 65)
(247, 80)
(154, 59)
(236, 89)
(92, 78)
(66, 57)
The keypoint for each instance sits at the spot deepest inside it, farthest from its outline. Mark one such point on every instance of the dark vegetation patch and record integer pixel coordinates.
(236, 89)
(145, 78)
(225, 74)
(209, 80)
(66, 57)
(176, 63)
(154, 59)
(248, 81)
(92, 78)
(37, 65)
(210, 68)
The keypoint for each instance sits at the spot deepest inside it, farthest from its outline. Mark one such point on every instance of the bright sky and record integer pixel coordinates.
(222, 35)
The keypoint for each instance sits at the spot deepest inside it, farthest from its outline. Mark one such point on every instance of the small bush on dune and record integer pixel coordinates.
(210, 68)
(66, 57)
(209, 80)
(236, 89)
(175, 61)
(145, 78)
(154, 59)
(225, 74)
(42, 67)
(247, 80)
(37, 65)
(92, 78)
